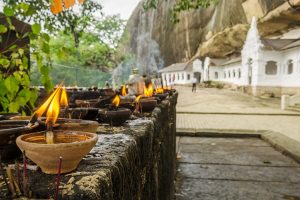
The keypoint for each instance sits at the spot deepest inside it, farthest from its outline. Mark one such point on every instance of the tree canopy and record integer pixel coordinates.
(77, 44)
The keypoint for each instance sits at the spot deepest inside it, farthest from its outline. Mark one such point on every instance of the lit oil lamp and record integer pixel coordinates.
(161, 94)
(45, 148)
(9, 131)
(124, 90)
(114, 115)
(146, 102)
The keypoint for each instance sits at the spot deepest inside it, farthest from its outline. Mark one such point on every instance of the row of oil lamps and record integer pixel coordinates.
(63, 137)
(53, 149)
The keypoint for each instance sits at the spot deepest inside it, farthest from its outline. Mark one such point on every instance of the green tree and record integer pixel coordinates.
(15, 92)
(74, 21)
(92, 60)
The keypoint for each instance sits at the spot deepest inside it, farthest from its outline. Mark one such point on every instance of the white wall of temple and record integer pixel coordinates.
(228, 74)
(285, 69)
(178, 77)
(197, 66)
(291, 73)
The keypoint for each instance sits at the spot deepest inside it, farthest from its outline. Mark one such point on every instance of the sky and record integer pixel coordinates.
(111, 7)
(122, 7)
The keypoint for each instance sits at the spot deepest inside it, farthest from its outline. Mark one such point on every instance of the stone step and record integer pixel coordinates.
(293, 108)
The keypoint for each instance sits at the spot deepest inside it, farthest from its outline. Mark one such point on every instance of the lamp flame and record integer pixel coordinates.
(137, 102)
(137, 99)
(52, 105)
(53, 110)
(167, 88)
(64, 98)
(116, 101)
(124, 90)
(148, 91)
(40, 111)
(159, 90)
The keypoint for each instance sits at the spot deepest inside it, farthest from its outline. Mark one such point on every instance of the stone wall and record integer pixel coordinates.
(135, 161)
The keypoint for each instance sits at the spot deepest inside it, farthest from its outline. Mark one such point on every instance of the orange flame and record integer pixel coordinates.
(124, 90)
(148, 91)
(53, 110)
(52, 105)
(137, 102)
(137, 99)
(40, 111)
(116, 101)
(64, 98)
(167, 88)
(159, 90)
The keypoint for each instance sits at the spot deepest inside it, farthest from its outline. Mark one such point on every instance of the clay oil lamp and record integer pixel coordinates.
(126, 100)
(161, 94)
(107, 92)
(5, 116)
(114, 115)
(48, 147)
(83, 109)
(146, 102)
(9, 131)
(169, 90)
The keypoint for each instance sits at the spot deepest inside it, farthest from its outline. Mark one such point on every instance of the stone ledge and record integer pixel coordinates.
(135, 161)
(281, 142)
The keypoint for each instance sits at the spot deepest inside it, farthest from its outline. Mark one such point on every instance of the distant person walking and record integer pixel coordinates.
(194, 81)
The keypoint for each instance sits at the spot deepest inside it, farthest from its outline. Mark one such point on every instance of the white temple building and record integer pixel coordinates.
(264, 66)
(181, 73)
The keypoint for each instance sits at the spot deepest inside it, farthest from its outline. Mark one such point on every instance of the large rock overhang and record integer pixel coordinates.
(231, 40)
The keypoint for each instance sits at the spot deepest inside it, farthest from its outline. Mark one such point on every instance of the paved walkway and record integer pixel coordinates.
(225, 109)
(234, 169)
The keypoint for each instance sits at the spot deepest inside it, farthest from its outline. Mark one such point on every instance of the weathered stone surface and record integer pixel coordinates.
(136, 161)
(216, 31)
(259, 157)
(237, 190)
(224, 141)
(243, 173)
(229, 168)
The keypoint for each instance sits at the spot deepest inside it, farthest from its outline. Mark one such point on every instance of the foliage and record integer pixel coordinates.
(15, 92)
(182, 5)
(97, 49)
(79, 39)
(75, 20)
(92, 60)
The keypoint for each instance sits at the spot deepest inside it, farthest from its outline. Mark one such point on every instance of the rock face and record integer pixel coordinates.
(216, 31)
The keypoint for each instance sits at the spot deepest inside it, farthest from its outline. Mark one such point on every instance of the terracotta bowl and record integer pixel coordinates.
(72, 146)
(147, 104)
(87, 113)
(114, 117)
(86, 103)
(77, 125)
(9, 131)
(162, 96)
(68, 124)
(128, 103)
(5, 116)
